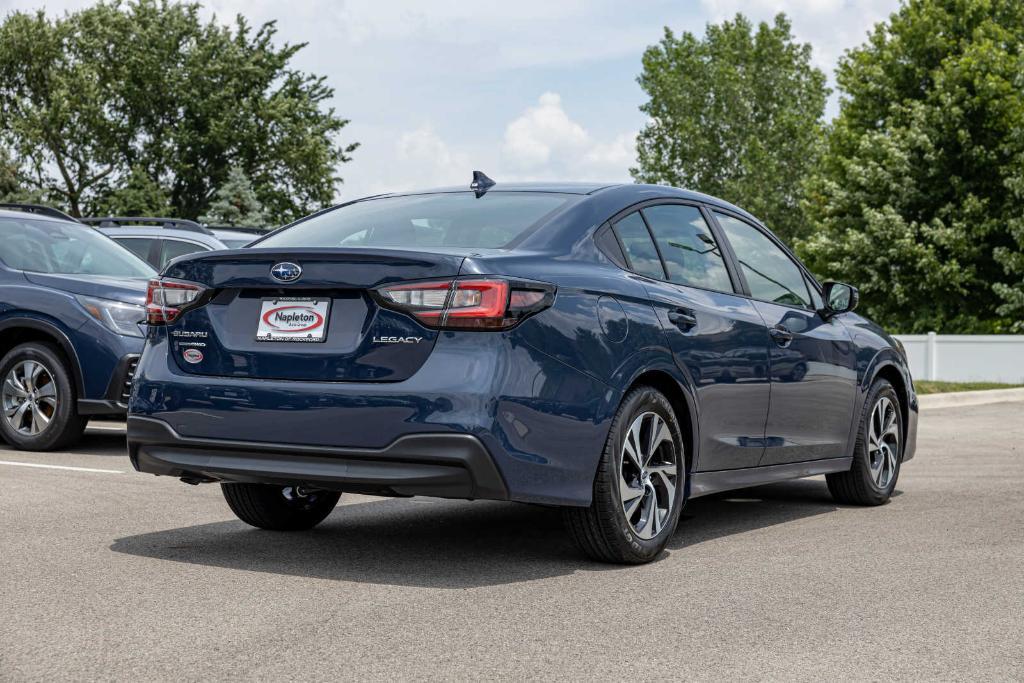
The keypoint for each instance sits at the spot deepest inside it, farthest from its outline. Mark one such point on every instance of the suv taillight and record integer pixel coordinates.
(472, 304)
(166, 300)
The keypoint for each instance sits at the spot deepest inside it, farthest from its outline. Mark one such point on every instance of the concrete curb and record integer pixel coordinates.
(969, 398)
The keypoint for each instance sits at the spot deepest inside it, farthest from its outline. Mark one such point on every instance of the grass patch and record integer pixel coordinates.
(926, 387)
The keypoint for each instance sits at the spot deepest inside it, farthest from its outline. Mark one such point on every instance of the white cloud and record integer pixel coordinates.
(831, 26)
(437, 89)
(544, 142)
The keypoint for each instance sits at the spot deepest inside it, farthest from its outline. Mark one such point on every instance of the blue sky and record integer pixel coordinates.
(526, 90)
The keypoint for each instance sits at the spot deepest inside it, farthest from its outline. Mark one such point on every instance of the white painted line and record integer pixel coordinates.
(108, 427)
(59, 467)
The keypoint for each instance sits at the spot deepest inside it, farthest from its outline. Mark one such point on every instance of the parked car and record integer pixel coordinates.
(236, 238)
(158, 240)
(71, 326)
(612, 349)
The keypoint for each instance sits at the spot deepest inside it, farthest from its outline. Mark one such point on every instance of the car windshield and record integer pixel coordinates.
(457, 219)
(65, 248)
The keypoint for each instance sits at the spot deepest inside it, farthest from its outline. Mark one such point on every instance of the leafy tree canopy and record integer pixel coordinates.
(736, 114)
(145, 98)
(236, 204)
(919, 198)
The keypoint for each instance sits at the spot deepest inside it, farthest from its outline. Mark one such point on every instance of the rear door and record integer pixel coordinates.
(813, 365)
(716, 336)
(321, 324)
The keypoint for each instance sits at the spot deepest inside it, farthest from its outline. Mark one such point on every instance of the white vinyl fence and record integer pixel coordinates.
(966, 357)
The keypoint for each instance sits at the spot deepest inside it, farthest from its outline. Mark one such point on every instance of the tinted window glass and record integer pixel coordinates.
(609, 246)
(176, 248)
(771, 273)
(457, 219)
(66, 248)
(643, 257)
(137, 245)
(688, 247)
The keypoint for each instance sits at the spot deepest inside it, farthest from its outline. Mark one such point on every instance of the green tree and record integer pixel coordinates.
(139, 196)
(737, 114)
(921, 186)
(12, 186)
(88, 98)
(236, 204)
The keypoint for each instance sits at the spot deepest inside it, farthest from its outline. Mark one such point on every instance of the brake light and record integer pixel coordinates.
(477, 304)
(166, 300)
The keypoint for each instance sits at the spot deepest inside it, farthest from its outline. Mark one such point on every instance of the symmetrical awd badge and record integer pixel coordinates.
(286, 272)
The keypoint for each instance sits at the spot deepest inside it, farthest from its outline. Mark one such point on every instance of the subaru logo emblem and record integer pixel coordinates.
(286, 272)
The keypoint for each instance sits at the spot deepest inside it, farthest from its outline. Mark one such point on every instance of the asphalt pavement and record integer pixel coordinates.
(113, 575)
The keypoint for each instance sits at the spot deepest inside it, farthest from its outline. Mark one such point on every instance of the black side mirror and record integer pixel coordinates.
(839, 298)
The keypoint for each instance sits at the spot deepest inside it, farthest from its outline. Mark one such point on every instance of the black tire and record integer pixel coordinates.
(860, 485)
(53, 400)
(602, 531)
(279, 508)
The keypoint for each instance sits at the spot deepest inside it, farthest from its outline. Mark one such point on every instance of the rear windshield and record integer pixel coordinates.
(433, 220)
(66, 248)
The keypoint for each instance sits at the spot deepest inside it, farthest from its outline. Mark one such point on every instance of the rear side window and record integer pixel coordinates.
(691, 254)
(770, 273)
(456, 219)
(639, 248)
(139, 246)
(175, 248)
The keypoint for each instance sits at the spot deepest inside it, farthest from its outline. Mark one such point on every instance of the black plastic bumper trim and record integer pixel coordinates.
(443, 465)
(706, 483)
(91, 406)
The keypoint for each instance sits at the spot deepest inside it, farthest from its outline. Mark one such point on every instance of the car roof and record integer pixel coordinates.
(627, 193)
(561, 188)
(235, 234)
(166, 233)
(9, 213)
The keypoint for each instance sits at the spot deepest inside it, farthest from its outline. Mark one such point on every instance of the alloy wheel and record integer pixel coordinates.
(883, 442)
(648, 472)
(29, 397)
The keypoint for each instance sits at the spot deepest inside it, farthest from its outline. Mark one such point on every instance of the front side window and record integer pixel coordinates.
(64, 248)
(770, 273)
(640, 250)
(691, 254)
(455, 219)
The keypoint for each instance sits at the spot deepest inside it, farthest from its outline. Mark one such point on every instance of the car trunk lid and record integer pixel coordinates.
(322, 325)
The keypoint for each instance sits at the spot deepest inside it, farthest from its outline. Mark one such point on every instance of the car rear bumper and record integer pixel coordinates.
(443, 465)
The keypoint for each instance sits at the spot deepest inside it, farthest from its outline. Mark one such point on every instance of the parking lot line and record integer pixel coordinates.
(59, 467)
(112, 427)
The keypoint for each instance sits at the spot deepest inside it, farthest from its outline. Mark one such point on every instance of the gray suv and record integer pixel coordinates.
(159, 240)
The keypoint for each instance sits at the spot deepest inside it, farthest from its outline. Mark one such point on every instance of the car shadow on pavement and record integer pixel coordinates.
(109, 444)
(453, 544)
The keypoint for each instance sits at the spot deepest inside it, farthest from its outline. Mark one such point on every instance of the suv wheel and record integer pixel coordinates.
(638, 490)
(38, 399)
(878, 453)
(279, 508)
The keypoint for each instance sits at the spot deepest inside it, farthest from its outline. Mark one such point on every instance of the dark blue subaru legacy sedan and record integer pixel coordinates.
(615, 350)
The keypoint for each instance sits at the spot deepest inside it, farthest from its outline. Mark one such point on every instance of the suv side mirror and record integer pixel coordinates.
(839, 298)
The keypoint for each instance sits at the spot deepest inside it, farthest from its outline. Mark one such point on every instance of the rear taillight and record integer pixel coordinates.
(166, 300)
(476, 304)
